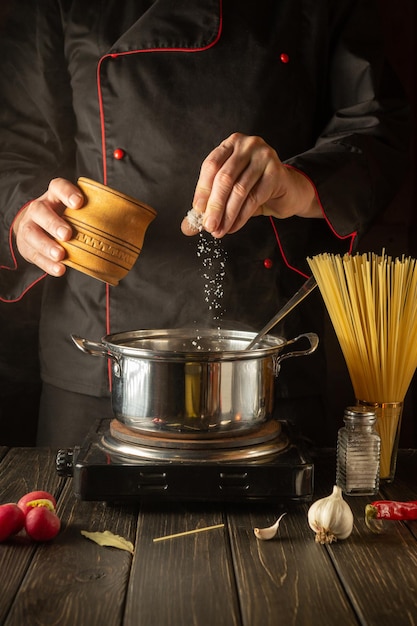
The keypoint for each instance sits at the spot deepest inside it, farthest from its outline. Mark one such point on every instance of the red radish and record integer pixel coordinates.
(12, 520)
(42, 524)
(36, 498)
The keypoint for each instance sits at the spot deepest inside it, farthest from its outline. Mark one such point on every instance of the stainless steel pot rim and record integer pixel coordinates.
(191, 344)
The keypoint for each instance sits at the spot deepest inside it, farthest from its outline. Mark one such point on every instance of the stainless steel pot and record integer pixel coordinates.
(189, 383)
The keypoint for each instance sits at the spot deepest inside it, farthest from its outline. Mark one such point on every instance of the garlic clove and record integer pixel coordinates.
(331, 518)
(270, 532)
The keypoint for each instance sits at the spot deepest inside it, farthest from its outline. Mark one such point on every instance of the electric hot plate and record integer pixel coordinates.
(115, 463)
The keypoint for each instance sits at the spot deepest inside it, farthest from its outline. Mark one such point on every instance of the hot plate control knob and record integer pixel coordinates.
(64, 462)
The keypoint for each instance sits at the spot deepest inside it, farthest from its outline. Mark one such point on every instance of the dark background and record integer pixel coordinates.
(395, 230)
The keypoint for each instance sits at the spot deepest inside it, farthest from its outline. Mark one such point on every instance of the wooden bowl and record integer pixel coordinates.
(108, 232)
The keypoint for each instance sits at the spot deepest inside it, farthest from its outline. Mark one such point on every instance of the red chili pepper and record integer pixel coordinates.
(389, 510)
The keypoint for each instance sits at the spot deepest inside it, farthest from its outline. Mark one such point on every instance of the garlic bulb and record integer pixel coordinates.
(331, 518)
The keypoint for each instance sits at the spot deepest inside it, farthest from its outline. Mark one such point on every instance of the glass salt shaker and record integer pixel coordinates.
(358, 452)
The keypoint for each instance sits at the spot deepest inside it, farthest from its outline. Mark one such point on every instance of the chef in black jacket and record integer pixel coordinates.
(279, 120)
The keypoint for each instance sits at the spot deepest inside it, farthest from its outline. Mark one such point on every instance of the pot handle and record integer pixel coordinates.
(313, 340)
(90, 347)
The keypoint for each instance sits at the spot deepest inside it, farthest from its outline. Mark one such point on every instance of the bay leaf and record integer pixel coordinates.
(107, 538)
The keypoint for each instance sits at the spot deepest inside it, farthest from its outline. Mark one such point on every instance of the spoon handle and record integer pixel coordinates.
(304, 290)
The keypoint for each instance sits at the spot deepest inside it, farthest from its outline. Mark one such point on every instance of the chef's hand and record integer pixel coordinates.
(38, 225)
(244, 177)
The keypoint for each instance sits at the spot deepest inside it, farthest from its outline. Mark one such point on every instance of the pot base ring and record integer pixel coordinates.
(267, 440)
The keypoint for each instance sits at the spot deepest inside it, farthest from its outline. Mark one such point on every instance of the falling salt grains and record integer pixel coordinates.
(196, 343)
(213, 258)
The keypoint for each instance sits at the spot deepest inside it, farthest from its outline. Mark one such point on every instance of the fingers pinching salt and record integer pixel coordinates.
(192, 223)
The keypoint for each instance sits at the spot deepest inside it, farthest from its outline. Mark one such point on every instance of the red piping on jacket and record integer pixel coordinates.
(352, 236)
(103, 133)
(114, 55)
(14, 267)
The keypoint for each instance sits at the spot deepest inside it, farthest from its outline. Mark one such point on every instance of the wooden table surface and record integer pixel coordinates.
(222, 577)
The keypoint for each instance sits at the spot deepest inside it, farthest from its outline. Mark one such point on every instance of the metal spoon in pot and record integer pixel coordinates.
(304, 290)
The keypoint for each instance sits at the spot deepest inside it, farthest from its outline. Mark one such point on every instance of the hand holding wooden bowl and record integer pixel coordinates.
(108, 232)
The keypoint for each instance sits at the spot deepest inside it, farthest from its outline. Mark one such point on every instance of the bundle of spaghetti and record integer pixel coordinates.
(372, 304)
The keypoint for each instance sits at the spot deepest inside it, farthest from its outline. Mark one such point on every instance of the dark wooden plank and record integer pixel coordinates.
(72, 580)
(371, 572)
(222, 577)
(27, 469)
(187, 580)
(378, 571)
(287, 580)
(21, 471)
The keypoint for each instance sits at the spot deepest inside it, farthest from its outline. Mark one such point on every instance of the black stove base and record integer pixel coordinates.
(99, 474)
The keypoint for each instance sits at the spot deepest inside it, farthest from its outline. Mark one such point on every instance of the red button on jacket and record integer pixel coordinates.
(118, 153)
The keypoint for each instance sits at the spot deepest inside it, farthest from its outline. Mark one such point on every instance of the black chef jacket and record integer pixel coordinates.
(135, 93)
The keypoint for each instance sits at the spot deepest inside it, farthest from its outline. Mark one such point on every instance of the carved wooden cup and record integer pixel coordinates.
(108, 232)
